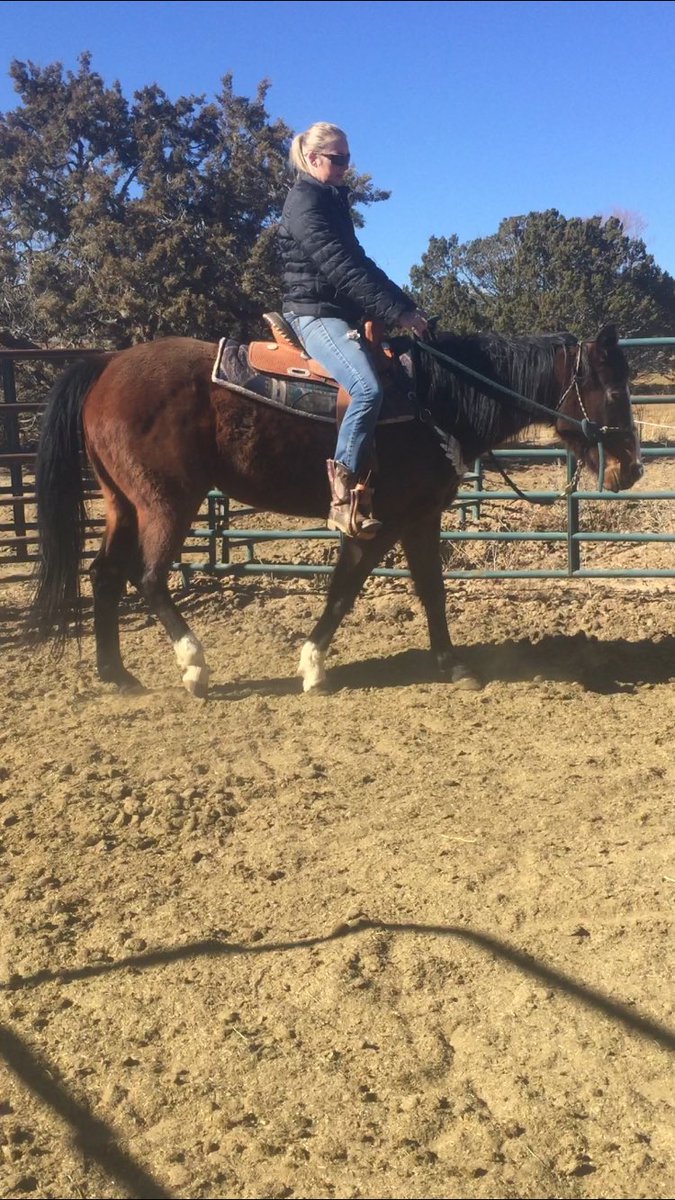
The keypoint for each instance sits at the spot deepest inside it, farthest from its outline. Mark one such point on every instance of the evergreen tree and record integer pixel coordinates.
(124, 221)
(545, 273)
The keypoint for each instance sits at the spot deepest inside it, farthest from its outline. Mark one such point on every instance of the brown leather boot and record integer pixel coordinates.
(351, 509)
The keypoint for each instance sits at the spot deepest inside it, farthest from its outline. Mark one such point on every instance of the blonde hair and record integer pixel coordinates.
(315, 138)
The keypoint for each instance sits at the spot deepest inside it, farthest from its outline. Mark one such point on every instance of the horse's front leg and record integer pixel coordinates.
(357, 559)
(421, 543)
(187, 648)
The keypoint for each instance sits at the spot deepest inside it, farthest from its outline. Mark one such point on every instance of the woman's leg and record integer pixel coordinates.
(334, 344)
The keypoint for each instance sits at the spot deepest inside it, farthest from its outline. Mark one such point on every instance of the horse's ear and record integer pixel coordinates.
(607, 339)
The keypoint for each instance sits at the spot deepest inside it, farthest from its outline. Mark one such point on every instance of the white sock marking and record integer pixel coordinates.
(311, 666)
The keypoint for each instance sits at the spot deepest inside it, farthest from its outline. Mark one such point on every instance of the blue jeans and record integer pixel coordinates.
(332, 342)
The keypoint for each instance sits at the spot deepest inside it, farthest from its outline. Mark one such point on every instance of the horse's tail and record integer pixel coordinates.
(61, 511)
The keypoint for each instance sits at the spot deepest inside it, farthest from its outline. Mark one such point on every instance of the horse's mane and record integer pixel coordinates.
(477, 417)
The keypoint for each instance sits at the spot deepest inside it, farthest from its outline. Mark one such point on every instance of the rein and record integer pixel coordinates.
(574, 481)
(593, 432)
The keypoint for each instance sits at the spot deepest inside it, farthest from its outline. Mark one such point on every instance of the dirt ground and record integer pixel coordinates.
(399, 940)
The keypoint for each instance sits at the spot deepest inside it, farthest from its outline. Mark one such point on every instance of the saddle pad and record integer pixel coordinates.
(307, 397)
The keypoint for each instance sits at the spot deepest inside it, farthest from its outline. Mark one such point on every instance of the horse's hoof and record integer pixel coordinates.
(196, 682)
(316, 689)
(455, 672)
(131, 686)
(124, 680)
(464, 681)
(311, 669)
(200, 691)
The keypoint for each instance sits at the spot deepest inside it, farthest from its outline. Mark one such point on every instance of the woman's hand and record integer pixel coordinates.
(415, 320)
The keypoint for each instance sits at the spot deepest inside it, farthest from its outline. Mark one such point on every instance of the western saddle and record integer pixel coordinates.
(286, 356)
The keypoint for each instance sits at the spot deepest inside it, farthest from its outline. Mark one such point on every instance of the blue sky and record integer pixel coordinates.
(468, 112)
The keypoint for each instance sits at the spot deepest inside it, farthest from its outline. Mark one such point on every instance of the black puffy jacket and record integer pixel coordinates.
(326, 271)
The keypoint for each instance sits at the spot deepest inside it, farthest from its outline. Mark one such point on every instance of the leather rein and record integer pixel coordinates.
(593, 433)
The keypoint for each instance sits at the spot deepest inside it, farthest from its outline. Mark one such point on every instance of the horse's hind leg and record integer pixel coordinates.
(161, 536)
(109, 572)
(421, 544)
(357, 559)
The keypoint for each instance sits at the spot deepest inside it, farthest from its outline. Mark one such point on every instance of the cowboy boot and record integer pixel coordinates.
(351, 504)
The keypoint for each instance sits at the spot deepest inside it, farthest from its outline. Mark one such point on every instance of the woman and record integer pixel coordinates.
(330, 285)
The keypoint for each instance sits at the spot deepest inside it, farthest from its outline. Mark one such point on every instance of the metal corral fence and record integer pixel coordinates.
(218, 538)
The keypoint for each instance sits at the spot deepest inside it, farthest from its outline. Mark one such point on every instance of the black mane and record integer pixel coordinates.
(477, 417)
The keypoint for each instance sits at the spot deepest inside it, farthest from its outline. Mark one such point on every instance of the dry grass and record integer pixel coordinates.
(636, 515)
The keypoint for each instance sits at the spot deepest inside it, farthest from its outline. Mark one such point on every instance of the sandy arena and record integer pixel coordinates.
(399, 940)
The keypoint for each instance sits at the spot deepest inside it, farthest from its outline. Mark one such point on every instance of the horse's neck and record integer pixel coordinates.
(487, 422)
(481, 422)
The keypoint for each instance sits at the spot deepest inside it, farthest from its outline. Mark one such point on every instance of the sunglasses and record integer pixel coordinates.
(338, 160)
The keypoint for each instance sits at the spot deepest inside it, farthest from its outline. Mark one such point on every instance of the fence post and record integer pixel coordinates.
(11, 420)
(573, 546)
(224, 525)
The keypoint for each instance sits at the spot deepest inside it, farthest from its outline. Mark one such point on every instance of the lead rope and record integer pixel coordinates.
(567, 491)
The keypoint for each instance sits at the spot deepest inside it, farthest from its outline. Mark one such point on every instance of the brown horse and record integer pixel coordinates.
(159, 435)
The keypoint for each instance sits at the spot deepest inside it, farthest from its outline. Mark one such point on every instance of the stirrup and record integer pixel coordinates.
(363, 530)
(349, 518)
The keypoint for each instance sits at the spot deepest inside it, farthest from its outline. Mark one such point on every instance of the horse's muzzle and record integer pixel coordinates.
(619, 477)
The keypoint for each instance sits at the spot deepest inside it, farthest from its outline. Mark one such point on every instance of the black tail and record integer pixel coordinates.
(61, 511)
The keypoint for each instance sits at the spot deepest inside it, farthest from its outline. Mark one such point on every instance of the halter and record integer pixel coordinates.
(574, 382)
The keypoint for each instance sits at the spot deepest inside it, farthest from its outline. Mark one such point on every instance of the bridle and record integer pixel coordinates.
(574, 382)
(599, 431)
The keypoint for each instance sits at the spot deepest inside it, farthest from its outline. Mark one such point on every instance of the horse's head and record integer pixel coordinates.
(595, 388)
